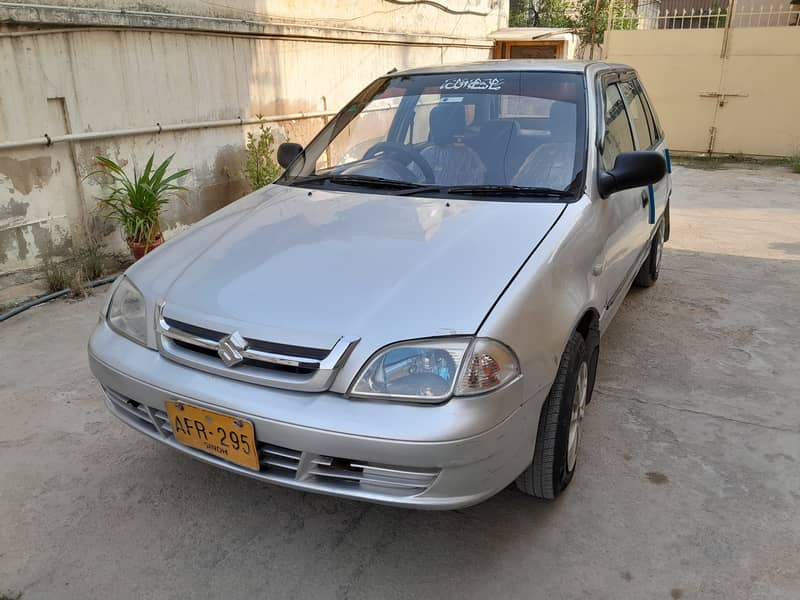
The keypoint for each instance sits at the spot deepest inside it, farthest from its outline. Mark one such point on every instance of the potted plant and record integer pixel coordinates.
(136, 203)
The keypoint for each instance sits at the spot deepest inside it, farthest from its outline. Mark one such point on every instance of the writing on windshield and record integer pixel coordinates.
(475, 83)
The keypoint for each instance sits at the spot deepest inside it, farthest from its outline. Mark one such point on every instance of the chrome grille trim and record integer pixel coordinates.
(261, 367)
(286, 464)
(171, 332)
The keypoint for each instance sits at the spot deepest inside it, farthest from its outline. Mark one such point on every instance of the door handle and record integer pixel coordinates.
(645, 197)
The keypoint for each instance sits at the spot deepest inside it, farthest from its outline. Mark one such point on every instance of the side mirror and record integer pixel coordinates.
(632, 170)
(287, 152)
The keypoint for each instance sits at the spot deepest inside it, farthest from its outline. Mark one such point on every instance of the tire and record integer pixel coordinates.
(593, 360)
(554, 457)
(651, 267)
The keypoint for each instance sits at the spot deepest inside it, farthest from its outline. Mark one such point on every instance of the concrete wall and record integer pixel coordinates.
(734, 96)
(460, 18)
(89, 71)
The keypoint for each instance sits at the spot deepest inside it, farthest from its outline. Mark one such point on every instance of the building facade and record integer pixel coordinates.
(82, 78)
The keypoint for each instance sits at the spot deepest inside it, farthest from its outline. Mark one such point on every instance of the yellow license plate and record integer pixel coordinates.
(221, 435)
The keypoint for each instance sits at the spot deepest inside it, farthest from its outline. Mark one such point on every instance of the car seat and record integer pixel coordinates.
(496, 145)
(452, 162)
(552, 163)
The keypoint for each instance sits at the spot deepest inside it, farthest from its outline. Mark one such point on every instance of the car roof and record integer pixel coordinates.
(515, 64)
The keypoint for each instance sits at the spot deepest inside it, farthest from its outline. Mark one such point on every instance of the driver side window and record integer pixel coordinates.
(618, 137)
(370, 127)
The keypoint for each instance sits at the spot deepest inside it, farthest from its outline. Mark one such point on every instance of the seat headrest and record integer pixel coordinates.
(563, 121)
(446, 122)
(499, 128)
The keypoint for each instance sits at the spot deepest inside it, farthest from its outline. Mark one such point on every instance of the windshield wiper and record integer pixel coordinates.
(508, 190)
(369, 181)
(406, 187)
(421, 188)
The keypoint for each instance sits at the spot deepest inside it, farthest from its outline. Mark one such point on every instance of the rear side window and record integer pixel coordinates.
(618, 132)
(637, 114)
(652, 117)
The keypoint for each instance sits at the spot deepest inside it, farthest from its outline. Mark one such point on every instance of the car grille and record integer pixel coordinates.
(286, 464)
(264, 362)
(196, 339)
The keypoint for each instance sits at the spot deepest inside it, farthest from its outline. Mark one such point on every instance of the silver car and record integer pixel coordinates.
(412, 313)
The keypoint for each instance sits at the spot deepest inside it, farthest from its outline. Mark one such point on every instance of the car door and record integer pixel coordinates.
(622, 211)
(663, 189)
(645, 137)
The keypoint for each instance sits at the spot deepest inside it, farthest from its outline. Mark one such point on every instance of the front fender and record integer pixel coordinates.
(545, 302)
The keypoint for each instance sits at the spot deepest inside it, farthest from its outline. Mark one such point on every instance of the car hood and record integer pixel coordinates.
(305, 267)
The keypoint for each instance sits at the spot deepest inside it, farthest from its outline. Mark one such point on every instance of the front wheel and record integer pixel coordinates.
(559, 434)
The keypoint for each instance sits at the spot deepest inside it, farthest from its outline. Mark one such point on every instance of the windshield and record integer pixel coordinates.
(483, 130)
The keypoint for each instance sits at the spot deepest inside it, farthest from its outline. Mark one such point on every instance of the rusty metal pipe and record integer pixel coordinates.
(48, 140)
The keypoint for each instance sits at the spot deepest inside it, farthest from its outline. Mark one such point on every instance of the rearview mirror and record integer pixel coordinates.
(632, 170)
(287, 152)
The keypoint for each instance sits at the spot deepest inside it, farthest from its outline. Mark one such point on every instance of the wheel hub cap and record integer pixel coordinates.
(576, 418)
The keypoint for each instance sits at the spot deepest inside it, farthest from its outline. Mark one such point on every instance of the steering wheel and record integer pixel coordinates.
(405, 154)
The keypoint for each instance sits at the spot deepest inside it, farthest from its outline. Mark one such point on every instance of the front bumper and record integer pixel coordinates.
(392, 453)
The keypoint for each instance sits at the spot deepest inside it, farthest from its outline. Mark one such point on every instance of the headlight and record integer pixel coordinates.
(433, 370)
(126, 312)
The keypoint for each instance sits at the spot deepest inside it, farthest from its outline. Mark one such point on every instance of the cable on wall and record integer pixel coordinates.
(443, 7)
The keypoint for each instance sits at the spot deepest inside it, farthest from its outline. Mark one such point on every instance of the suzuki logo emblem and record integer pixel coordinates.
(230, 349)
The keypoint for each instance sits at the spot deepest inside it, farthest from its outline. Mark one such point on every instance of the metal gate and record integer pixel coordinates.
(724, 79)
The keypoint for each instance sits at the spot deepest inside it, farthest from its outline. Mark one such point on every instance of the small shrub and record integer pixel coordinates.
(75, 271)
(794, 163)
(91, 260)
(58, 275)
(79, 284)
(260, 168)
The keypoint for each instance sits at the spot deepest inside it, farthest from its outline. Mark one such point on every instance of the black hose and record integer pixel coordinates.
(47, 297)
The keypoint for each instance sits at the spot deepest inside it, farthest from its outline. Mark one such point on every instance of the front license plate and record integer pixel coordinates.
(221, 435)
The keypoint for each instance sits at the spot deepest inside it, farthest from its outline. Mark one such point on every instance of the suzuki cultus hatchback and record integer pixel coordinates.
(412, 314)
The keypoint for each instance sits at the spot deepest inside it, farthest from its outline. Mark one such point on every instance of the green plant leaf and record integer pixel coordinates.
(260, 166)
(136, 203)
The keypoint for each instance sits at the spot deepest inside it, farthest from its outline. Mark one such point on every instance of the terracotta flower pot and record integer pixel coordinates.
(139, 249)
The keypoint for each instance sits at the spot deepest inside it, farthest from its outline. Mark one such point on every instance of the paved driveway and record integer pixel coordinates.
(689, 485)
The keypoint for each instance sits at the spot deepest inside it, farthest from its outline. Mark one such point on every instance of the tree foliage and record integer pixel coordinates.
(555, 13)
(540, 13)
(578, 15)
(585, 16)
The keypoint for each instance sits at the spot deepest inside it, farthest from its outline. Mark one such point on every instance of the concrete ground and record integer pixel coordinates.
(15, 290)
(689, 485)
